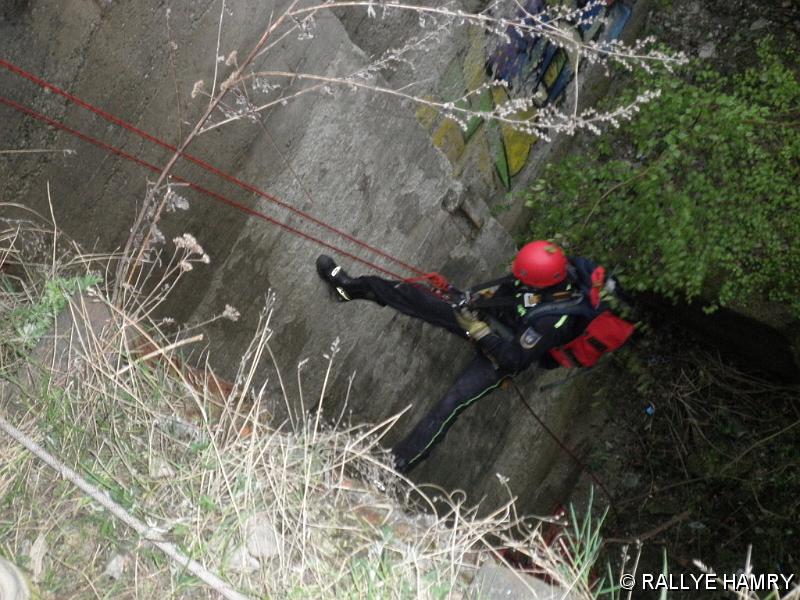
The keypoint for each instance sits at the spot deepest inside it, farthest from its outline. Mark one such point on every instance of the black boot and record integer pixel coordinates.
(346, 287)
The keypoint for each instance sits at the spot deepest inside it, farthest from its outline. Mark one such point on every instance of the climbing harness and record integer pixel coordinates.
(605, 332)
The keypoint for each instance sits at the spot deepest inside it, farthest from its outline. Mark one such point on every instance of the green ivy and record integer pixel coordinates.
(698, 197)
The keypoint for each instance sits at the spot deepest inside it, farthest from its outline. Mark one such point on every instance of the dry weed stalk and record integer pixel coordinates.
(152, 443)
(501, 19)
(273, 509)
(256, 90)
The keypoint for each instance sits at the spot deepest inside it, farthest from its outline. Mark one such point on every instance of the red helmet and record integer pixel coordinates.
(540, 264)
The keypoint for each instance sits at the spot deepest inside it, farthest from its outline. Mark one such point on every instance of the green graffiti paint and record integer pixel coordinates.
(554, 69)
(483, 103)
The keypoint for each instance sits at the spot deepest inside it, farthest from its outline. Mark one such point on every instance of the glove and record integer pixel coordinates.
(469, 322)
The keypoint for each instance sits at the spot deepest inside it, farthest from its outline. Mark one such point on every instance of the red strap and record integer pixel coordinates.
(598, 281)
(208, 167)
(214, 195)
(437, 281)
(562, 359)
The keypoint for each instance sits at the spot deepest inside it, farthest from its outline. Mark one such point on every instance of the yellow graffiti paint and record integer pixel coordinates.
(555, 68)
(518, 148)
(516, 144)
(427, 116)
(449, 139)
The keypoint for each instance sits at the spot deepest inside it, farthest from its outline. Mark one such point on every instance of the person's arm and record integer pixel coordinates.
(527, 346)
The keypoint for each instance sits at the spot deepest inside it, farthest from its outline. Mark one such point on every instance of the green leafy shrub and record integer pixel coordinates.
(698, 196)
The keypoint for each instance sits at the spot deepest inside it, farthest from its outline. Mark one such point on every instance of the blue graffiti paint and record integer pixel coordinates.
(588, 17)
(522, 60)
(564, 77)
(618, 15)
(547, 59)
(507, 61)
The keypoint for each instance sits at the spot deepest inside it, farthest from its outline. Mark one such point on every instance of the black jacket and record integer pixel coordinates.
(517, 340)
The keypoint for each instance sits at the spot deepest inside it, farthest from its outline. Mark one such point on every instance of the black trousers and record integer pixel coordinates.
(478, 379)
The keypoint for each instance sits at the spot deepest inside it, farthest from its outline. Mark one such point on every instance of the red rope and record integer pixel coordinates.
(216, 196)
(434, 279)
(437, 280)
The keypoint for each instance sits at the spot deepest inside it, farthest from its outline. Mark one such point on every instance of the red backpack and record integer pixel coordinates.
(605, 333)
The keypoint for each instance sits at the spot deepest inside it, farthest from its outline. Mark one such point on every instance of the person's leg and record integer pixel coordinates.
(412, 300)
(476, 381)
(407, 298)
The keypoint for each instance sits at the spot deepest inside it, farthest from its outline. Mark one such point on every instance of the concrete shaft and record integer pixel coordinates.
(360, 161)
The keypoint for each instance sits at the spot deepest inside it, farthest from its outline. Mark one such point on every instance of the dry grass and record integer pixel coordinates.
(302, 509)
(299, 509)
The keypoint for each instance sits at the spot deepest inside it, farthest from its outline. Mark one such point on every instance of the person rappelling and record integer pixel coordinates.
(551, 311)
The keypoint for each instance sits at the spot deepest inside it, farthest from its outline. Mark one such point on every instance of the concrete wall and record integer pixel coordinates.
(490, 159)
(364, 164)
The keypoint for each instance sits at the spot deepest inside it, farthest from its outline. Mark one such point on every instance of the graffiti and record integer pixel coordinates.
(530, 66)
